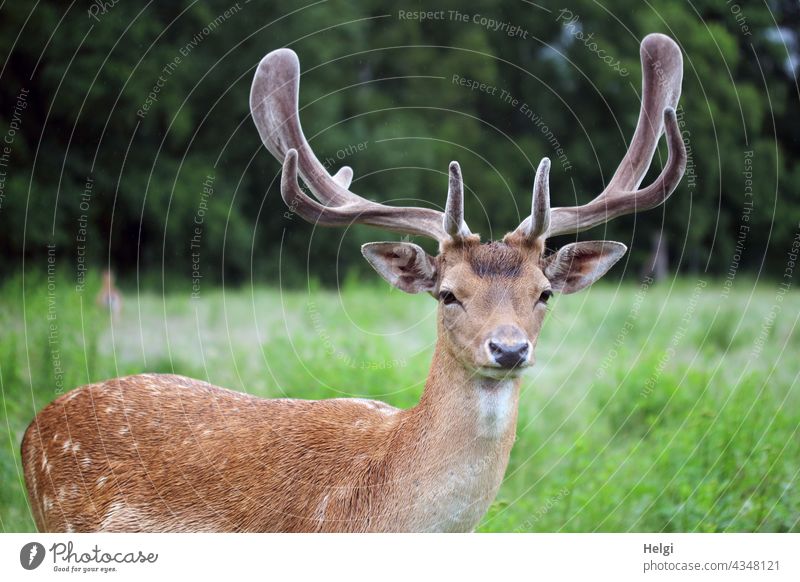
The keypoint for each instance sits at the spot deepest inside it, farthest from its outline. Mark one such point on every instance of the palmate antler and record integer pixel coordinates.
(274, 106)
(662, 73)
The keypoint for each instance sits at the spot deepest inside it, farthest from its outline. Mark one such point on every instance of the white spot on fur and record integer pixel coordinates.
(86, 462)
(68, 528)
(47, 502)
(115, 513)
(123, 431)
(122, 517)
(110, 410)
(375, 405)
(44, 461)
(66, 446)
(320, 513)
(102, 480)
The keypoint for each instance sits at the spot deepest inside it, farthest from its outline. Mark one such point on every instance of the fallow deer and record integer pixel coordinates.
(109, 298)
(156, 452)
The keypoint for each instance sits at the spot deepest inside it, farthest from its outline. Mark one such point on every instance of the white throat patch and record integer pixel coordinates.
(495, 407)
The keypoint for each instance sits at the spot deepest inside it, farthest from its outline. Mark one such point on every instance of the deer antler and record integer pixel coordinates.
(662, 72)
(274, 107)
(539, 220)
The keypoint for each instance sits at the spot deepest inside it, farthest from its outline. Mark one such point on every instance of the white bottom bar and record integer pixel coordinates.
(546, 557)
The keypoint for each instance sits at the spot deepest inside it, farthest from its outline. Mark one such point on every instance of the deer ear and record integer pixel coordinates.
(403, 264)
(578, 265)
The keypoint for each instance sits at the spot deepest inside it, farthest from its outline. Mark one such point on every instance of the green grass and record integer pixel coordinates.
(673, 408)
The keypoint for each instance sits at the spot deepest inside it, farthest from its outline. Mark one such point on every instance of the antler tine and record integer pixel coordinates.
(407, 220)
(662, 74)
(274, 107)
(344, 176)
(453, 223)
(538, 222)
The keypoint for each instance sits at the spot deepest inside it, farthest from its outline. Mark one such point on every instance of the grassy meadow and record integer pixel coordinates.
(671, 407)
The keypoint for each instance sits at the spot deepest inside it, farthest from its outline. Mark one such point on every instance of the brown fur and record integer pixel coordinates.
(496, 259)
(166, 453)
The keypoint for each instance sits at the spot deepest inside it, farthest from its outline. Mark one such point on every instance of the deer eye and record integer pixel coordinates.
(448, 298)
(545, 296)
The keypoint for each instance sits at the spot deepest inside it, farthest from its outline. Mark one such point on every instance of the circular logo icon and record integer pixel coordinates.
(31, 555)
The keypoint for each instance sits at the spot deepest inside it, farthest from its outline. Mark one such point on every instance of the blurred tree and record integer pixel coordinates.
(147, 103)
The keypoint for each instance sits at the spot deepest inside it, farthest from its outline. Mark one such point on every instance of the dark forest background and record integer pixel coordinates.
(76, 77)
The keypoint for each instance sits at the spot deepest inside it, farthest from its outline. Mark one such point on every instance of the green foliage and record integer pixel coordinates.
(678, 424)
(374, 77)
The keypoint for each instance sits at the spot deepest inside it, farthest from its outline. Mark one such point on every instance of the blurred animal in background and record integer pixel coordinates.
(109, 298)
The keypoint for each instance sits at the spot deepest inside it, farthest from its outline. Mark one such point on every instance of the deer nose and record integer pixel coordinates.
(509, 354)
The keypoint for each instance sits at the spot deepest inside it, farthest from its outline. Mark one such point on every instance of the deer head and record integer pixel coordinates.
(491, 295)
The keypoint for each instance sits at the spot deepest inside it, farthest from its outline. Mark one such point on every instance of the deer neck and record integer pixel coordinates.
(464, 409)
(457, 442)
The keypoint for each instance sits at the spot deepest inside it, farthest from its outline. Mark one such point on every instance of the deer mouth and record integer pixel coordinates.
(502, 373)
